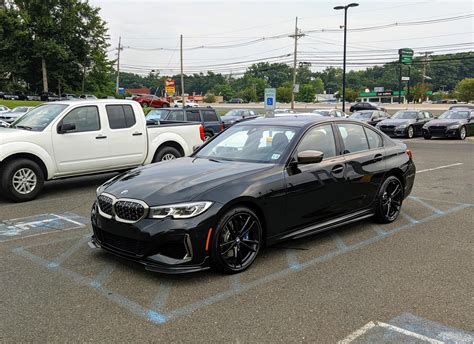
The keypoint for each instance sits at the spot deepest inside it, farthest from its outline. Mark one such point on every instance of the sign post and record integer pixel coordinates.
(405, 57)
(270, 99)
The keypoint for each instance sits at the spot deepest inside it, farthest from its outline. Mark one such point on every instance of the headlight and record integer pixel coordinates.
(425, 126)
(179, 211)
(454, 126)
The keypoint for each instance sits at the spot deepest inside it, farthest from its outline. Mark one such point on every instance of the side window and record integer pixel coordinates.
(209, 116)
(85, 118)
(375, 141)
(420, 115)
(176, 116)
(120, 116)
(192, 116)
(353, 137)
(320, 138)
(375, 115)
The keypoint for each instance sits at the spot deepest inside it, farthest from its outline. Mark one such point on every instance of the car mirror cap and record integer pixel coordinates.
(310, 157)
(64, 128)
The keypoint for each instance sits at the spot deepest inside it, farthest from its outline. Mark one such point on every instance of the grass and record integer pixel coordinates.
(14, 103)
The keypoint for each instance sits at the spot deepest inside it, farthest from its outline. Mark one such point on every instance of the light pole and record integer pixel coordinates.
(345, 8)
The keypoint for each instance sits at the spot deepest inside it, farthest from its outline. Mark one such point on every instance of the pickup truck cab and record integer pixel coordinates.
(71, 138)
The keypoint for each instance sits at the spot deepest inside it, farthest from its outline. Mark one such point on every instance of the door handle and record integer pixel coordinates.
(378, 157)
(101, 137)
(337, 169)
(137, 134)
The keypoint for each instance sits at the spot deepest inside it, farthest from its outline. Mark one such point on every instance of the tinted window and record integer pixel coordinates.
(157, 114)
(353, 137)
(193, 116)
(374, 139)
(209, 116)
(120, 116)
(85, 118)
(320, 139)
(176, 116)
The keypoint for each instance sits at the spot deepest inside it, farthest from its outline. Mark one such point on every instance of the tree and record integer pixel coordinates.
(283, 94)
(318, 85)
(419, 92)
(306, 94)
(210, 98)
(465, 89)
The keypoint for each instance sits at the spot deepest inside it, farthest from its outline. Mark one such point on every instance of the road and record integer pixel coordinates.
(321, 289)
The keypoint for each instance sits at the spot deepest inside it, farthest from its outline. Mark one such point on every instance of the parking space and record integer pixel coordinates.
(324, 288)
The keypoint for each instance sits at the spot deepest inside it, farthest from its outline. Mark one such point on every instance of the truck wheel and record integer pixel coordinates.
(22, 180)
(207, 136)
(166, 153)
(145, 104)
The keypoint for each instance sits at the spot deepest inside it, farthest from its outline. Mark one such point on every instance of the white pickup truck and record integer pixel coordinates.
(73, 138)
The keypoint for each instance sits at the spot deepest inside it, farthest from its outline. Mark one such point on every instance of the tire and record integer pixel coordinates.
(145, 104)
(236, 241)
(462, 133)
(165, 105)
(22, 180)
(166, 153)
(207, 136)
(427, 137)
(389, 200)
(410, 132)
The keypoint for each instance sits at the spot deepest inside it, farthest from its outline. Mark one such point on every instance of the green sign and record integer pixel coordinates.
(405, 55)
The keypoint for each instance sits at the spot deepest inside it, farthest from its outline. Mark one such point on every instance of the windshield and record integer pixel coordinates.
(20, 109)
(234, 113)
(455, 115)
(322, 112)
(262, 144)
(38, 118)
(361, 115)
(157, 114)
(405, 115)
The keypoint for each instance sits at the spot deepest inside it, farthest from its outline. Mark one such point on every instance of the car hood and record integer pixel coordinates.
(9, 135)
(229, 119)
(445, 122)
(178, 180)
(397, 121)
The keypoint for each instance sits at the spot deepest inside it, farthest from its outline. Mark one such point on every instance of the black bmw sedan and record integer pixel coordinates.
(405, 123)
(257, 183)
(458, 123)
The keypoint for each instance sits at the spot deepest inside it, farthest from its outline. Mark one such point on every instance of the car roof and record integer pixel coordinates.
(95, 101)
(294, 120)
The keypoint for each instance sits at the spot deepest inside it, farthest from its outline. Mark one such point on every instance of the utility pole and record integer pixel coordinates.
(182, 76)
(117, 83)
(45, 75)
(425, 63)
(83, 78)
(295, 36)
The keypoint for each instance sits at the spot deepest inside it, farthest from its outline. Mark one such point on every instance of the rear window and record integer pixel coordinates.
(120, 116)
(177, 115)
(209, 116)
(193, 116)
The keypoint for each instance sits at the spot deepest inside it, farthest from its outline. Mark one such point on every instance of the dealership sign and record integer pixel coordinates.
(169, 87)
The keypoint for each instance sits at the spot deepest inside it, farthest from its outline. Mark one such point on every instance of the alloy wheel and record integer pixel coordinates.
(168, 156)
(462, 133)
(239, 241)
(24, 181)
(410, 132)
(392, 198)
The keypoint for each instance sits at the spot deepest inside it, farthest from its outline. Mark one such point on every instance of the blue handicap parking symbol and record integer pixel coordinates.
(269, 101)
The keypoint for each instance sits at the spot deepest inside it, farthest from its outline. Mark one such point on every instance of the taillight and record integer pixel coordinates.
(409, 153)
(222, 126)
(201, 132)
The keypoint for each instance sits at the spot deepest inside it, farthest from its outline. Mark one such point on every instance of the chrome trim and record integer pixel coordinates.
(115, 200)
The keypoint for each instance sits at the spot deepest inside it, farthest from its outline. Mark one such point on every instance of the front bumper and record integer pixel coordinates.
(161, 245)
(394, 132)
(443, 132)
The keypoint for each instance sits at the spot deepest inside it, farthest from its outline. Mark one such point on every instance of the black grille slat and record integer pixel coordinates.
(130, 211)
(127, 245)
(105, 204)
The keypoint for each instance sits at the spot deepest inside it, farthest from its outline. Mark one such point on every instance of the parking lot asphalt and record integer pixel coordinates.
(356, 281)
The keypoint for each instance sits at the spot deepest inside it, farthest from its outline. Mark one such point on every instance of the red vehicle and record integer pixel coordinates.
(152, 101)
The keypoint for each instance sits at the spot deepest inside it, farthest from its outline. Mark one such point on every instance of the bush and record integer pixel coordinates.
(209, 98)
(465, 89)
(283, 94)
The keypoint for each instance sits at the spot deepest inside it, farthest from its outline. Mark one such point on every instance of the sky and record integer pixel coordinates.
(227, 36)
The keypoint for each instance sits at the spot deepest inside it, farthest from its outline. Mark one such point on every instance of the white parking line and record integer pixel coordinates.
(439, 167)
(373, 324)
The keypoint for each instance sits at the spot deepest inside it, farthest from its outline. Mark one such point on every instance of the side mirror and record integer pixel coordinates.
(310, 157)
(64, 128)
(196, 147)
(152, 122)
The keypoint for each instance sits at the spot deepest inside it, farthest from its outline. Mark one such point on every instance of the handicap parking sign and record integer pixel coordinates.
(269, 101)
(270, 98)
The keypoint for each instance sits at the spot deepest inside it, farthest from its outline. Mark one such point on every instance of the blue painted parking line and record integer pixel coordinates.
(154, 314)
(429, 206)
(162, 297)
(103, 275)
(39, 224)
(408, 217)
(65, 255)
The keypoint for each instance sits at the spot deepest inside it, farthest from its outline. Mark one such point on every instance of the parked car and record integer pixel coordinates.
(151, 101)
(359, 106)
(33, 97)
(371, 117)
(294, 114)
(4, 109)
(188, 103)
(4, 124)
(260, 182)
(405, 123)
(15, 113)
(236, 101)
(208, 117)
(154, 116)
(10, 96)
(88, 96)
(281, 111)
(462, 107)
(237, 115)
(69, 96)
(330, 113)
(49, 97)
(458, 123)
(71, 138)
